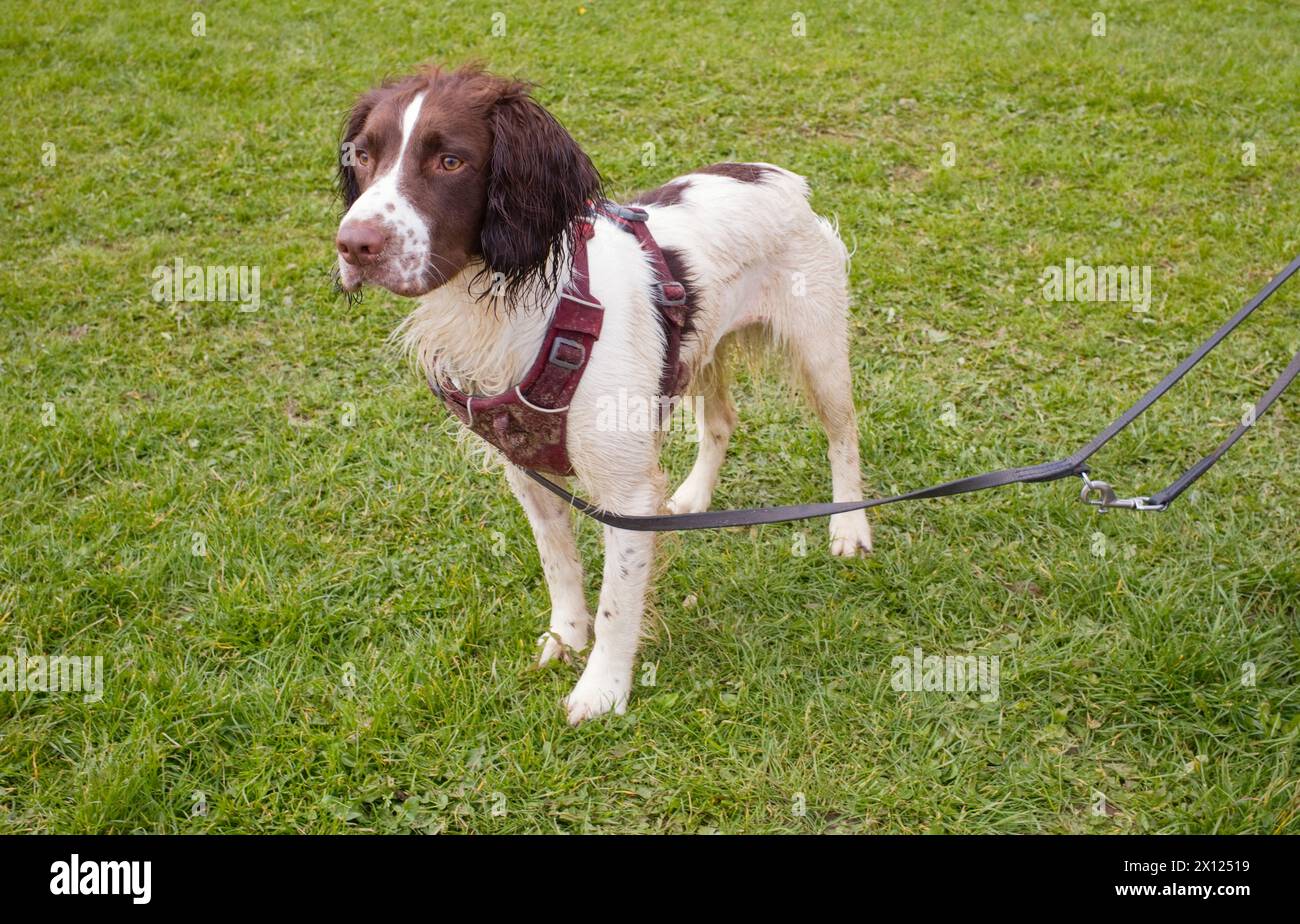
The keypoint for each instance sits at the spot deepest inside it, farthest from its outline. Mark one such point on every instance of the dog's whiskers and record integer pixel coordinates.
(336, 279)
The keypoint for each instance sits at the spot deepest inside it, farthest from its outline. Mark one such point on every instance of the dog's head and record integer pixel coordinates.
(446, 168)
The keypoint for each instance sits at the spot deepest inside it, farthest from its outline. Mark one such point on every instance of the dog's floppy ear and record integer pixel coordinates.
(348, 187)
(539, 181)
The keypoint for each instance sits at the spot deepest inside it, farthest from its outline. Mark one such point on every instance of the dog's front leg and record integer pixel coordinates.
(553, 530)
(629, 560)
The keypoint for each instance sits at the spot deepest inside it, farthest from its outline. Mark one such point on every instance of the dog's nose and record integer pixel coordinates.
(360, 242)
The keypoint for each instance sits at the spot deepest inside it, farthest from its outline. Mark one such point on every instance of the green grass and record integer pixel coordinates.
(369, 549)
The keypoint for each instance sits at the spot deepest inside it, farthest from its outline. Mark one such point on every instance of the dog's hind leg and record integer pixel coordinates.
(553, 530)
(715, 420)
(824, 369)
(813, 327)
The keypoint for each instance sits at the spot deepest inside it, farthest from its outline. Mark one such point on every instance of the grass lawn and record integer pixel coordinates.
(353, 651)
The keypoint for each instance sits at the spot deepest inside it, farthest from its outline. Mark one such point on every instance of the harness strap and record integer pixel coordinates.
(559, 355)
(528, 423)
(1048, 471)
(669, 293)
(574, 329)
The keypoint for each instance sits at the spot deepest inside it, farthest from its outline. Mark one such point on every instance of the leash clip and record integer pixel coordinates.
(1106, 500)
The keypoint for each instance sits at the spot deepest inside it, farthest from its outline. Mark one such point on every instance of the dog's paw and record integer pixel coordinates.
(596, 694)
(850, 534)
(689, 498)
(556, 647)
(553, 649)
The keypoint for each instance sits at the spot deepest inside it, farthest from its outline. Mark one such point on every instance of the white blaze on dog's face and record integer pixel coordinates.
(441, 169)
(384, 220)
(414, 171)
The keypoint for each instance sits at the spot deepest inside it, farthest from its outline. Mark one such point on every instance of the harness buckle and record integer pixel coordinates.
(1107, 500)
(557, 360)
(671, 293)
(625, 212)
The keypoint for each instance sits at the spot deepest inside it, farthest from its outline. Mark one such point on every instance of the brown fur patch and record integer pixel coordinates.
(666, 195)
(745, 173)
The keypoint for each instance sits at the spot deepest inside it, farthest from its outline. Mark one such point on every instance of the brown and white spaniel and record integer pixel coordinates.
(463, 193)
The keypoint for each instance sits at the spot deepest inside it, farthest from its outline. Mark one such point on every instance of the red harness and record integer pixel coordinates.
(527, 423)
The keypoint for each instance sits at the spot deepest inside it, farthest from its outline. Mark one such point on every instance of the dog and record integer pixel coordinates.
(462, 192)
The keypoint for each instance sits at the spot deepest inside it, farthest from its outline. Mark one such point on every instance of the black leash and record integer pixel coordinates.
(1097, 493)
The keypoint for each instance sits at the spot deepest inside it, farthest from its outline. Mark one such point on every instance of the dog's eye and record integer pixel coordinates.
(451, 163)
(362, 158)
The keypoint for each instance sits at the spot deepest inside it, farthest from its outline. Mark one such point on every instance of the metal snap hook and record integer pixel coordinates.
(1105, 493)
(1105, 498)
